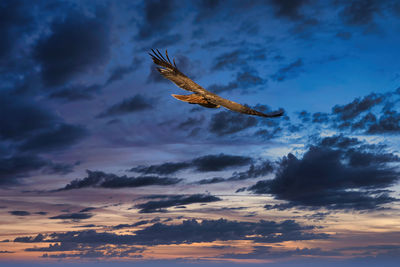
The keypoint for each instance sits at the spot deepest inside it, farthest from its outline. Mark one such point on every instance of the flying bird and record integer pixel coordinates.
(200, 95)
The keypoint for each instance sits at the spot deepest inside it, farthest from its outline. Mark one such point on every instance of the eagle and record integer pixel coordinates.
(200, 95)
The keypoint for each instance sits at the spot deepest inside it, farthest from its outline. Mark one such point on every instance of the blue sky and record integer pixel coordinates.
(99, 163)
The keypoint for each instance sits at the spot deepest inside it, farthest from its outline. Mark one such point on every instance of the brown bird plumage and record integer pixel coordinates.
(201, 96)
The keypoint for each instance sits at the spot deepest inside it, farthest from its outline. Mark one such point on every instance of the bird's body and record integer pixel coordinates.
(201, 96)
(196, 99)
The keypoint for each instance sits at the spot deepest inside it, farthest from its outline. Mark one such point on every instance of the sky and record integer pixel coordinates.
(101, 166)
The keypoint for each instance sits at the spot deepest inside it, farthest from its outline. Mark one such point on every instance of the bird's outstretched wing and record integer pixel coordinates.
(169, 70)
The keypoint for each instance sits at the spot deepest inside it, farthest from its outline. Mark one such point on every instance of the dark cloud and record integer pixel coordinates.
(360, 158)
(227, 122)
(14, 168)
(221, 42)
(289, 9)
(318, 216)
(340, 141)
(77, 43)
(134, 104)
(206, 9)
(254, 171)
(333, 176)
(357, 106)
(119, 72)
(125, 225)
(215, 11)
(190, 123)
(360, 12)
(162, 169)
(220, 247)
(229, 60)
(211, 230)
(16, 21)
(300, 13)
(344, 35)
(305, 28)
(103, 252)
(30, 239)
(242, 189)
(90, 225)
(244, 80)
(238, 59)
(19, 125)
(159, 17)
(364, 123)
(72, 216)
(320, 117)
(370, 247)
(267, 252)
(166, 41)
(207, 163)
(6, 251)
(304, 116)
(60, 168)
(272, 128)
(30, 130)
(93, 253)
(87, 209)
(105, 180)
(289, 71)
(249, 27)
(187, 232)
(372, 114)
(213, 180)
(219, 162)
(58, 137)
(87, 250)
(76, 92)
(173, 201)
(41, 213)
(57, 247)
(388, 123)
(20, 213)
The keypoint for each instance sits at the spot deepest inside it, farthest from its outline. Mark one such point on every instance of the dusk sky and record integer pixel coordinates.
(101, 166)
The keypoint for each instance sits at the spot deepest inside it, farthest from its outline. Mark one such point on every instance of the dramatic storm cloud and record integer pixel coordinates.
(336, 174)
